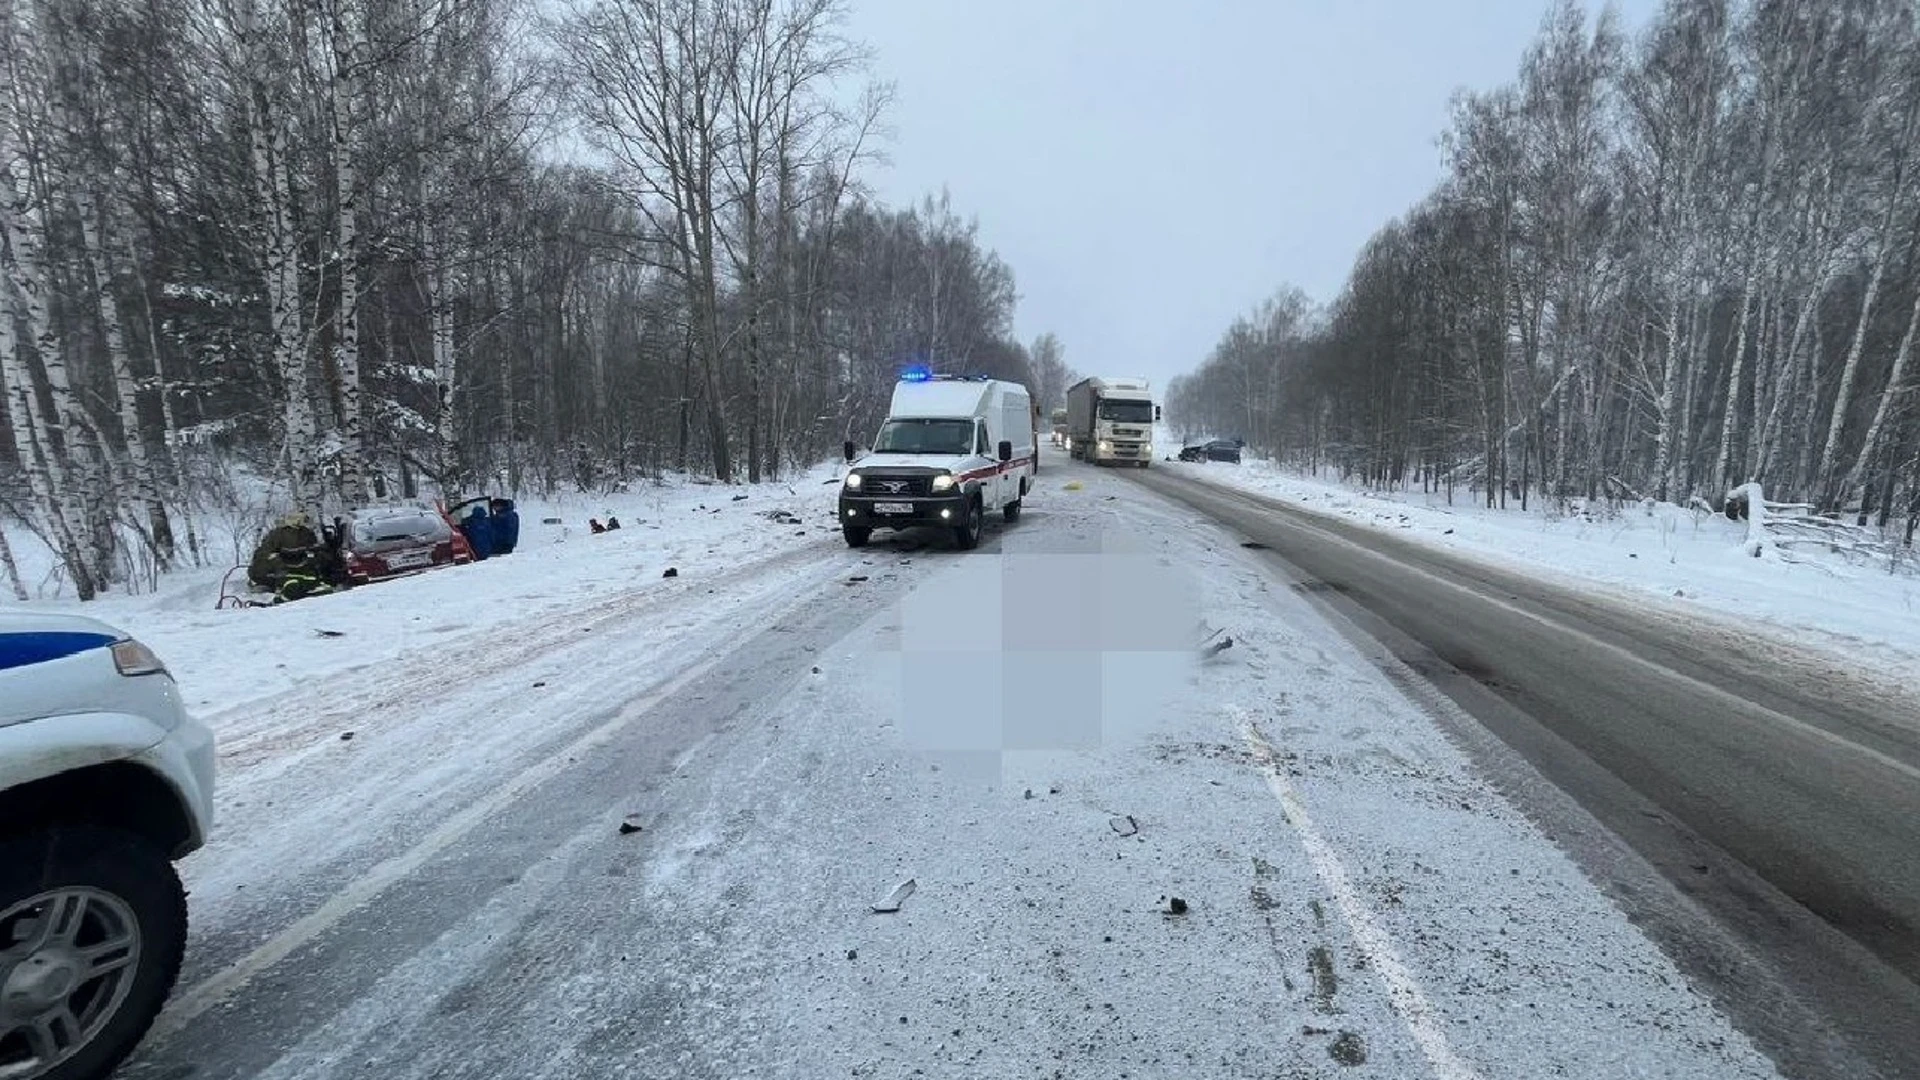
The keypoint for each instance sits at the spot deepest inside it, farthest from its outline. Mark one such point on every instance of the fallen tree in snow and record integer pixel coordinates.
(1774, 527)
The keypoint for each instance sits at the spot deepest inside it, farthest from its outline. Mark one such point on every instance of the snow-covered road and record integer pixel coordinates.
(1024, 731)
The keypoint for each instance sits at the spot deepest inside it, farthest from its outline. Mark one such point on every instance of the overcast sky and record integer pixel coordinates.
(1152, 168)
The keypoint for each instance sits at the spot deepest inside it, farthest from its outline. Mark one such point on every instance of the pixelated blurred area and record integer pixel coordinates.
(1042, 652)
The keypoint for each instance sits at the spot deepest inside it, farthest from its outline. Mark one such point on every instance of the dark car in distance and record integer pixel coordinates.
(1213, 450)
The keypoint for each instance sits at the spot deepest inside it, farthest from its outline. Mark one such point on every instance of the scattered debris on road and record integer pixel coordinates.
(669, 572)
(1253, 545)
(856, 579)
(1124, 825)
(739, 498)
(538, 685)
(1348, 1048)
(1173, 905)
(892, 901)
(630, 825)
(346, 736)
(853, 954)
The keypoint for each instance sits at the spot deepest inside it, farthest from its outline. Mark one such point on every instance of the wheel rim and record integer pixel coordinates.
(973, 522)
(67, 961)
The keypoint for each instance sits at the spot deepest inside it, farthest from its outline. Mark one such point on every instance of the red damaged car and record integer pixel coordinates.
(387, 541)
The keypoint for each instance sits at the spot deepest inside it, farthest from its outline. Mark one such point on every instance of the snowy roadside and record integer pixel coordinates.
(1390, 911)
(226, 659)
(1671, 560)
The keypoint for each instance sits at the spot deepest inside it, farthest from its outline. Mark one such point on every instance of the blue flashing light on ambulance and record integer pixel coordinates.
(953, 449)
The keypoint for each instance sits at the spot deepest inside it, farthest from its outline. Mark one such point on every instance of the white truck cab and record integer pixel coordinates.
(104, 782)
(952, 450)
(1111, 420)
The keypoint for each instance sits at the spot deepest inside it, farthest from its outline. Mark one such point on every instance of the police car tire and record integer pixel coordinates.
(136, 872)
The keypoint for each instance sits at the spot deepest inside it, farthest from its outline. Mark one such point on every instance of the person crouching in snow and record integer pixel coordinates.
(479, 533)
(506, 526)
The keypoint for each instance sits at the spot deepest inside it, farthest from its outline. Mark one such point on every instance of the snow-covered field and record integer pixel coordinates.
(1676, 561)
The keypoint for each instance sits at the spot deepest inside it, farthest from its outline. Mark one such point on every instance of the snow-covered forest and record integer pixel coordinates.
(368, 249)
(1661, 264)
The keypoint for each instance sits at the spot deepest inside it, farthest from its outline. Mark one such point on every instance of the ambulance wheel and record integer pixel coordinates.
(856, 536)
(967, 537)
(1011, 511)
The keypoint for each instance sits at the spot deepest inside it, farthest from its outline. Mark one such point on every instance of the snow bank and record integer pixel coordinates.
(227, 658)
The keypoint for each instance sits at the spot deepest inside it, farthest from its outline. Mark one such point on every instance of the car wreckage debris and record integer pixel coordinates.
(892, 901)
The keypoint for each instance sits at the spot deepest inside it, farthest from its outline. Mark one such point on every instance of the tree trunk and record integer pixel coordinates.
(1896, 380)
(64, 459)
(347, 32)
(140, 478)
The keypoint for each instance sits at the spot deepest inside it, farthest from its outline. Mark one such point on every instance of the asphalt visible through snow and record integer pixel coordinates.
(1777, 805)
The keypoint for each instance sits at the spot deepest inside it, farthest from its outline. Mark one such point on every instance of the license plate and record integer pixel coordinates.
(406, 559)
(892, 508)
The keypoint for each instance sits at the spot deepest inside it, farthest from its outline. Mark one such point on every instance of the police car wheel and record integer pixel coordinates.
(98, 923)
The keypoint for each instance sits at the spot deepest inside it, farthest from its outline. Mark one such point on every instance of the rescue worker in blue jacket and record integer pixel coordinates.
(478, 531)
(506, 526)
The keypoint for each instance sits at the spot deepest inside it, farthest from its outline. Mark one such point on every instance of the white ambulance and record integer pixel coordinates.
(953, 450)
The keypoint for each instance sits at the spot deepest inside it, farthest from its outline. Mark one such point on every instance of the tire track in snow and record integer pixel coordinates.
(423, 682)
(1403, 990)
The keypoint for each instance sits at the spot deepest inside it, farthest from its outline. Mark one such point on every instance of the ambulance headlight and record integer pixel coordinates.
(853, 481)
(943, 482)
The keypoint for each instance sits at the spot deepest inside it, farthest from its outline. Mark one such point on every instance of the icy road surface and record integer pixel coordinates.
(1025, 732)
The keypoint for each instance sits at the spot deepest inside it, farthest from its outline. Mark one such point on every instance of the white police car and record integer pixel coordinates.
(104, 782)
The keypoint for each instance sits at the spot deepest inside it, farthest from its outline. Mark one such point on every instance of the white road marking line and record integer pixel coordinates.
(1753, 708)
(218, 987)
(1403, 990)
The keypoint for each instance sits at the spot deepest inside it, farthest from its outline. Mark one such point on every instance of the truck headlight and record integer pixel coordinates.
(853, 481)
(1146, 448)
(943, 482)
(1105, 446)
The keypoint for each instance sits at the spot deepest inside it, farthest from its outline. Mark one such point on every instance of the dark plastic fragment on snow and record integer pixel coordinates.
(669, 572)
(739, 498)
(538, 685)
(346, 736)
(630, 824)
(1124, 825)
(1173, 905)
(329, 633)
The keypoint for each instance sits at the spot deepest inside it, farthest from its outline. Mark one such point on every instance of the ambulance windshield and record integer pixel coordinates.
(925, 437)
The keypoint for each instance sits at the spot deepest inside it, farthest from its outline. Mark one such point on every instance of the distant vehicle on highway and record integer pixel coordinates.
(1058, 421)
(104, 782)
(1213, 450)
(1111, 420)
